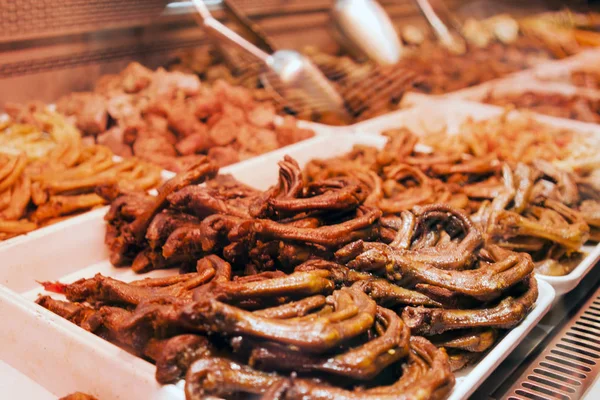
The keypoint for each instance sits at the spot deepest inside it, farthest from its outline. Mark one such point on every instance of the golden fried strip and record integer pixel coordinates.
(15, 173)
(21, 195)
(17, 227)
(62, 205)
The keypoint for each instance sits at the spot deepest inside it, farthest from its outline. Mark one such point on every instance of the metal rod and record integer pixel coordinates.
(436, 23)
(222, 32)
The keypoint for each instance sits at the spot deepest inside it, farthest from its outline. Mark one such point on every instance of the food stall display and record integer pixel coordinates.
(184, 231)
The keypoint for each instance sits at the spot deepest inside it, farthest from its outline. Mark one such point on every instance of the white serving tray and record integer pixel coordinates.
(64, 358)
(16, 385)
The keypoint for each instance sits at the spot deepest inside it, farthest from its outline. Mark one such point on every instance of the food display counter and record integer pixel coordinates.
(183, 218)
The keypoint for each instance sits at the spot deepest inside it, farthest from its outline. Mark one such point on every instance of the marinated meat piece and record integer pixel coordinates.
(202, 202)
(114, 139)
(195, 143)
(166, 85)
(206, 105)
(182, 120)
(135, 78)
(362, 363)
(89, 109)
(507, 314)
(234, 114)
(126, 235)
(174, 356)
(157, 123)
(484, 283)
(262, 115)
(150, 143)
(238, 96)
(224, 131)
(223, 156)
(255, 140)
(164, 223)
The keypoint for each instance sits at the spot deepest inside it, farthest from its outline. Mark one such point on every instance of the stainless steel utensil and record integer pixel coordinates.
(251, 31)
(447, 36)
(285, 71)
(366, 30)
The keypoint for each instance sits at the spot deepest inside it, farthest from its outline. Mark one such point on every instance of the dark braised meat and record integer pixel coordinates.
(425, 375)
(125, 234)
(270, 321)
(276, 229)
(519, 198)
(334, 282)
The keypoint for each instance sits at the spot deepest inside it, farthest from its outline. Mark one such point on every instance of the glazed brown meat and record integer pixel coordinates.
(279, 228)
(362, 363)
(497, 270)
(313, 278)
(427, 365)
(126, 234)
(508, 313)
(519, 198)
(352, 314)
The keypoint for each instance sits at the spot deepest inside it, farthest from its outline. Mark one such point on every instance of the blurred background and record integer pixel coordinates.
(73, 42)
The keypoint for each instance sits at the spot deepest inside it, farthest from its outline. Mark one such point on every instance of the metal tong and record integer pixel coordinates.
(448, 37)
(285, 71)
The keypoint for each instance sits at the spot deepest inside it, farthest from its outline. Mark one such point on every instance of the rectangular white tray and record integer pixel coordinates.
(64, 358)
(14, 384)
